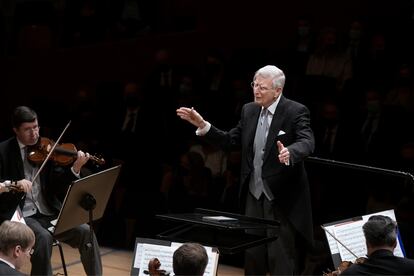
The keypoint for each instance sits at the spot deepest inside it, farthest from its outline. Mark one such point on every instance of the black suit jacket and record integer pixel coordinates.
(288, 184)
(54, 180)
(6, 270)
(382, 262)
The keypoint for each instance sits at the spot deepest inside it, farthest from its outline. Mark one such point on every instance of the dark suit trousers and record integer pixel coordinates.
(277, 257)
(77, 237)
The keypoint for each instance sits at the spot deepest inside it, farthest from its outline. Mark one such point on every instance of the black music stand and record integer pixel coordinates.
(226, 231)
(86, 200)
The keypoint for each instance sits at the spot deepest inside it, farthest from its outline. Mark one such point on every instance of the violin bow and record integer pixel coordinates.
(335, 238)
(50, 152)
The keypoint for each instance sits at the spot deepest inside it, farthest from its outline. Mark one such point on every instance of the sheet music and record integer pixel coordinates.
(138, 255)
(162, 253)
(145, 252)
(333, 244)
(18, 216)
(350, 233)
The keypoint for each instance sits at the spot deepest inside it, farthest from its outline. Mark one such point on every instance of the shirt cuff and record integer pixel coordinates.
(204, 130)
(76, 174)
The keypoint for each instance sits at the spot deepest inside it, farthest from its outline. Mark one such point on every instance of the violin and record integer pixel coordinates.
(154, 268)
(344, 265)
(63, 154)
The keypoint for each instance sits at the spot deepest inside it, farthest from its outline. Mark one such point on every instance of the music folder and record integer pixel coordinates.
(98, 185)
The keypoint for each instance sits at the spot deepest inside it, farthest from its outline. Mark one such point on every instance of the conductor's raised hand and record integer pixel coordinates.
(192, 116)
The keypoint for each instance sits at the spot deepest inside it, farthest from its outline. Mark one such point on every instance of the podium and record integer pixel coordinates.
(226, 231)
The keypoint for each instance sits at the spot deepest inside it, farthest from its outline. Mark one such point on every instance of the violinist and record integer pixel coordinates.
(381, 239)
(190, 259)
(37, 196)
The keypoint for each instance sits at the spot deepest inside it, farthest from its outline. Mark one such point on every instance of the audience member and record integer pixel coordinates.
(138, 150)
(331, 132)
(329, 60)
(186, 186)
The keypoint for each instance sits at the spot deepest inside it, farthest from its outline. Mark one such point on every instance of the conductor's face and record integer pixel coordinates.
(263, 91)
(27, 133)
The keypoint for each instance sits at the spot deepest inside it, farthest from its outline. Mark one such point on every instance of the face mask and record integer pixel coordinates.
(330, 121)
(212, 68)
(303, 31)
(131, 101)
(373, 106)
(184, 88)
(240, 94)
(404, 81)
(354, 34)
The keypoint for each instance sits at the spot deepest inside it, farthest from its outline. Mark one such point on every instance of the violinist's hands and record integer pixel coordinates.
(192, 116)
(24, 185)
(80, 161)
(284, 155)
(3, 188)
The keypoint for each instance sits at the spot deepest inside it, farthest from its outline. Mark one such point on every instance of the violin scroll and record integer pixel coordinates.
(154, 268)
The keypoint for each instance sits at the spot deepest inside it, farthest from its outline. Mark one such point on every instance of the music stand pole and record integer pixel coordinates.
(88, 203)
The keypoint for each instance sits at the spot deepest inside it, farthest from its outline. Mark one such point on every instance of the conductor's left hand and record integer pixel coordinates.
(192, 116)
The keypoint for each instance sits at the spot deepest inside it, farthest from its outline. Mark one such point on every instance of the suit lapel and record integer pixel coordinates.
(275, 126)
(18, 159)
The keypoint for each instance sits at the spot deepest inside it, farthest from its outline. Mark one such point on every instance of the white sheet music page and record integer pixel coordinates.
(333, 244)
(162, 253)
(145, 252)
(211, 269)
(18, 216)
(351, 235)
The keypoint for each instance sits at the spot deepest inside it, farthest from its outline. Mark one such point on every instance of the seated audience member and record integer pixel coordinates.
(190, 259)
(16, 245)
(381, 239)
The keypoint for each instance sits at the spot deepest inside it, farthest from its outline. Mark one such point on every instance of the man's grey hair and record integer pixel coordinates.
(380, 230)
(273, 72)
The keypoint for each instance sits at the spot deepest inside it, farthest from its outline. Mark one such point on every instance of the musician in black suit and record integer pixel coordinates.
(381, 239)
(38, 198)
(16, 246)
(275, 137)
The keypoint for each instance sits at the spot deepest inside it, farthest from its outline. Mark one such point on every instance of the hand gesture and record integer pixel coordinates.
(284, 155)
(192, 116)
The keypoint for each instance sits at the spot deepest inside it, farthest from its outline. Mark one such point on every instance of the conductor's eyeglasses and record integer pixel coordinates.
(255, 85)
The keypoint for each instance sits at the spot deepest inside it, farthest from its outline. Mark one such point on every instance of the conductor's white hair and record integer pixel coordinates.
(271, 71)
